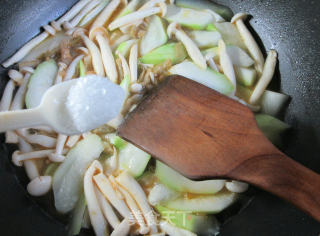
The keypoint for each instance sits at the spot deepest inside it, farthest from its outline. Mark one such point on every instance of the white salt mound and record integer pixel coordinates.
(93, 101)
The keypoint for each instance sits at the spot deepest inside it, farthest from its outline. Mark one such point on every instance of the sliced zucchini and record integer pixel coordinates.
(199, 224)
(131, 7)
(124, 48)
(178, 182)
(77, 216)
(211, 204)
(40, 81)
(189, 18)
(68, 179)
(208, 77)
(82, 69)
(125, 84)
(205, 39)
(272, 128)
(272, 102)
(223, 11)
(243, 92)
(246, 76)
(230, 34)
(155, 36)
(175, 52)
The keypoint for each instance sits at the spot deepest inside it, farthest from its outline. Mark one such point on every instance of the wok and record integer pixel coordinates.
(289, 26)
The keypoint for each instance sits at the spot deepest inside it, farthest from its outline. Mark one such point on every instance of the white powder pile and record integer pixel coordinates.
(93, 101)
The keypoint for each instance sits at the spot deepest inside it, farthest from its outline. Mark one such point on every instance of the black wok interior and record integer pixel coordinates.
(289, 26)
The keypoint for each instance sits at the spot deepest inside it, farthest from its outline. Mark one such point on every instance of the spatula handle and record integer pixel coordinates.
(13, 120)
(285, 178)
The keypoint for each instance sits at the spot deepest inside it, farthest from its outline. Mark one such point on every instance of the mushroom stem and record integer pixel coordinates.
(29, 166)
(72, 68)
(57, 156)
(210, 60)
(19, 99)
(62, 67)
(73, 140)
(266, 77)
(70, 14)
(16, 76)
(133, 63)
(227, 65)
(107, 57)
(125, 66)
(236, 186)
(106, 188)
(95, 53)
(123, 229)
(18, 158)
(40, 139)
(107, 209)
(112, 162)
(132, 17)
(22, 52)
(249, 41)
(133, 187)
(192, 49)
(96, 216)
(135, 211)
(6, 99)
(119, 40)
(105, 14)
(75, 21)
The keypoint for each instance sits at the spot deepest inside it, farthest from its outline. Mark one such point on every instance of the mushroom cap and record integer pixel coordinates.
(40, 186)
(16, 158)
(239, 16)
(56, 25)
(79, 32)
(49, 29)
(172, 29)
(27, 69)
(54, 157)
(98, 30)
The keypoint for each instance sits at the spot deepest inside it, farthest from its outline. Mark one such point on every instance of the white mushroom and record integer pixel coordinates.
(57, 155)
(123, 229)
(73, 140)
(124, 63)
(137, 88)
(6, 99)
(253, 108)
(236, 186)
(61, 67)
(11, 137)
(210, 60)
(112, 162)
(30, 166)
(70, 14)
(133, 63)
(150, 4)
(51, 30)
(94, 50)
(16, 76)
(105, 14)
(101, 36)
(173, 230)
(132, 17)
(193, 51)
(39, 139)
(215, 15)
(106, 188)
(75, 21)
(135, 211)
(266, 77)
(134, 188)
(249, 41)
(96, 216)
(18, 157)
(83, 50)
(226, 64)
(22, 52)
(107, 209)
(19, 98)
(72, 68)
(39, 186)
(27, 69)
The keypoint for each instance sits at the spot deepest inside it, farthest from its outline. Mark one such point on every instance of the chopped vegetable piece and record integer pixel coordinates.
(93, 13)
(182, 184)
(208, 77)
(82, 69)
(230, 34)
(192, 19)
(77, 216)
(133, 159)
(67, 180)
(155, 37)
(131, 7)
(40, 81)
(175, 52)
(224, 11)
(272, 128)
(243, 92)
(124, 48)
(272, 103)
(205, 39)
(199, 224)
(211, 27)
(203, 204)
(246, 76)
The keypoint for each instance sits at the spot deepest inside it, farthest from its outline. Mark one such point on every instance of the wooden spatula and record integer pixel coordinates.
(203, 134)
